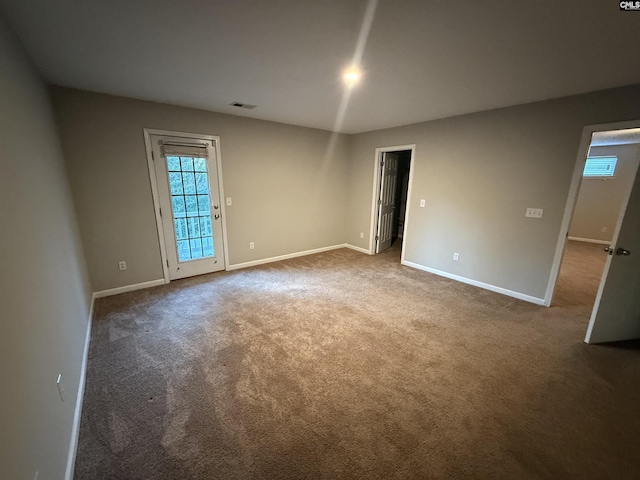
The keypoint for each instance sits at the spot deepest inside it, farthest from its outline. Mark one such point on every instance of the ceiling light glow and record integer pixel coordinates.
(352, 76)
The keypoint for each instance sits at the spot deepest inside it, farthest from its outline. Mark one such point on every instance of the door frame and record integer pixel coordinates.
(156, 199)
(574, 190)
(377, 178)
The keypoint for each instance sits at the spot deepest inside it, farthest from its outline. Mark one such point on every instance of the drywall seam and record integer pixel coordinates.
(128, 288)
(475, 283)
(75, 429)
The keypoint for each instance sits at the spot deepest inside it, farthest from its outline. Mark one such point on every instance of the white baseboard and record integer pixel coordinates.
(357, 249)
(262, 261)
(128, 288)
(475, 283)
(590, 240)
(237, 266)
(75, 429)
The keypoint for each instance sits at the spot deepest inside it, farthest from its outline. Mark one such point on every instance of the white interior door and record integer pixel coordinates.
(187, 177)
(387, 200)
(616, 314)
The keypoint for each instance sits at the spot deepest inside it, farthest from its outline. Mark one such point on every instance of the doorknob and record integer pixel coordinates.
(622, 251)
(609, 250)
(216, 207)
(216, 216)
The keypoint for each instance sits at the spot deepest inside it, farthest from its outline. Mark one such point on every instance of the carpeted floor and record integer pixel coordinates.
(580, 275)
(342, 365)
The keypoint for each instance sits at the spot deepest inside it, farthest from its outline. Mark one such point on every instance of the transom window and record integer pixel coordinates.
(600, 166)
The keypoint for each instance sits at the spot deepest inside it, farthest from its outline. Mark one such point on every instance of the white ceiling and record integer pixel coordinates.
(616, 137)
(423, 60)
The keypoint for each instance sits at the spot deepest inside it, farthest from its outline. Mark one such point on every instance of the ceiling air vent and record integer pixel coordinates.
(243, 105)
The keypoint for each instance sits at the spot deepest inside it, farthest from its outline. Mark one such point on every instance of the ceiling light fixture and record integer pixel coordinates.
(352, 76)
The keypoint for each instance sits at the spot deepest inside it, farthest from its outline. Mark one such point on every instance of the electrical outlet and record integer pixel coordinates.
(228, 201)
(252, 245)
(122, 265)
(456, 256)
(361, 234)
(534, 212)
(604, 229)
(423, 202)
(60, 387)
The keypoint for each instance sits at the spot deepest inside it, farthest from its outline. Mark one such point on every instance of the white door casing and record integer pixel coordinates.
(375, 195)
(616, 313)
(191, 217)
(387, 200)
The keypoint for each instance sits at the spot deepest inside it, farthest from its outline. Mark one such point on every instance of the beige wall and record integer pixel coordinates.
(44, 292)
(288, 191)
(478, 173)
(600, 200)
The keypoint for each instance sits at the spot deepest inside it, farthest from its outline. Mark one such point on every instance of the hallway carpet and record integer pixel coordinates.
(346, 366)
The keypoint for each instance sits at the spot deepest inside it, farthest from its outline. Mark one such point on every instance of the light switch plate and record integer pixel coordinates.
(422, 202)
(534, 212)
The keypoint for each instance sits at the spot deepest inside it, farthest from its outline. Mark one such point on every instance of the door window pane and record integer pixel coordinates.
(173, 164)
(196, 248)
(187, 164)
(203, 205)
(175, 183)
(184, 252)
(202, 183)
(207, 246)
(189, 183)
(200, 164)
(191, 205)
(177, 202)
(194, 227)
(205, 226)
(181, 229)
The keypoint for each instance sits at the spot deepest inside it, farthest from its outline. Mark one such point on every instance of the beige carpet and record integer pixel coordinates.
(342, 365)
(580, 275)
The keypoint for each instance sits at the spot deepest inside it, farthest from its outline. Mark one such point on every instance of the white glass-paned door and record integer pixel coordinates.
(186, 171)
(190, 204)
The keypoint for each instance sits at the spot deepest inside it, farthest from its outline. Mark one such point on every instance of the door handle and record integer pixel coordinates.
(622, 251)
(216, 216)
(216, 207)
(609, 250)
